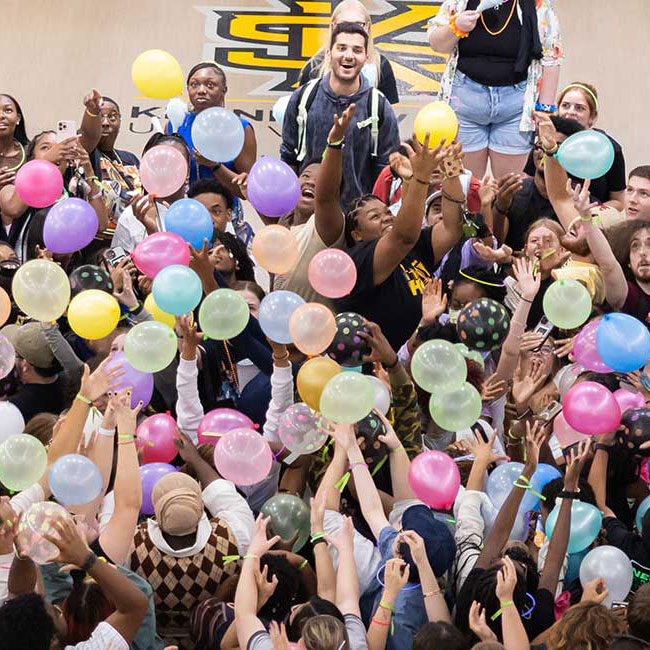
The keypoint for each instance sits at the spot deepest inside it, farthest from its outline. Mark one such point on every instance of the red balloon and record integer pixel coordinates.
(591, 408)
(155, 436)
(159, 250)
(219, 421)
(434, 479)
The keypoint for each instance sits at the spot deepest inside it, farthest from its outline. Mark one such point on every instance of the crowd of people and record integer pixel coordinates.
(407, 525)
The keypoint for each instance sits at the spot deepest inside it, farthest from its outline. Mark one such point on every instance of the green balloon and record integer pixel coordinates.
(290, 516)
(567, 304)
(437, 365)
(474, 355)
(223, 314)
(456, 408)
(150, 346)
(23, 461)
(347, 398)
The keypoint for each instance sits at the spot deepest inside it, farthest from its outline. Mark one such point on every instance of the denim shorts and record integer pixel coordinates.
(489, 116)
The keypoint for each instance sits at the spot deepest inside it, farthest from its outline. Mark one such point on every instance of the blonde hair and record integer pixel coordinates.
(587, 626)
(323, 54)
(325, 632)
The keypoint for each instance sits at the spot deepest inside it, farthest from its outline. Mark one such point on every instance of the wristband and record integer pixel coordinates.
(358, 463)
(545, 108)
(316, 536)
(503, 604)
(602, 447)
(83, 399)
(109, 433)
(134, 311)
(457, 32)
(91, 558)
(386, 606)
(551, 152)
(303, 564)
(566, 494)
(320, 540)
(382, 623)
(335, 145)
(250, 556)
(91, 114)
(451, 199)
(392, 365)
(435, 592)
(95, 196)
(523, 482)
(282, 358)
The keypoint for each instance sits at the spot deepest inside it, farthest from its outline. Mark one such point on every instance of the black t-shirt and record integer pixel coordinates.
(396, 304)
(487, 59)
(527, 207)
(637, 303)
(32, 399)
(614, 180)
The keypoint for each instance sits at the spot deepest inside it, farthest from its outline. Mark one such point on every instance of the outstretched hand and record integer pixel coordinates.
(340, 124)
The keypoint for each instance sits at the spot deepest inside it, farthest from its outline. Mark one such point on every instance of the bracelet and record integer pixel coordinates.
(335, 145)
(457, 32)
(387, 606)
(392, 451)
(303, 564)
(503, 605)
(283, 358)
(316, 536)
(250, 556)
(83, 399)
(551, 152)
(545, 108)
(109, 433)
(435, 592)
(419, 180)
(91, 114)
(95, 196)
(392, 365)
(91, 558)
(524, 483)
(92, 178)
(451, 199)
(320, 540)
(358, 463)
(600, 446)
(382, 623)
(134, 311)
(566, 494)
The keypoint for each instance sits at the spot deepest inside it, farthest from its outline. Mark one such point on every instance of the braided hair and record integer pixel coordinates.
(352, 216)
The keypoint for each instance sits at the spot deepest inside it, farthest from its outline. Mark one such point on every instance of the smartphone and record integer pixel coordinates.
(544, 327)
(113, 256)
(65, 129)
(619, 604)
(553, 409)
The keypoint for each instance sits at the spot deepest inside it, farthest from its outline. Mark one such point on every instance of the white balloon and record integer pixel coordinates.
(11, 421)
(613, 566)
(176, 111)
(519, 529)
(7, 357)
(382, 395)
(280, 108)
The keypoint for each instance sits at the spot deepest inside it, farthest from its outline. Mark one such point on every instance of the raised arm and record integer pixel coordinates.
(90, 130)
(325, 574)
(327, 207)
(399, 463)
(347, 585)
(512, 627)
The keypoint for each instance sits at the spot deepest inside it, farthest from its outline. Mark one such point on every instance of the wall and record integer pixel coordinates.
(52, 53)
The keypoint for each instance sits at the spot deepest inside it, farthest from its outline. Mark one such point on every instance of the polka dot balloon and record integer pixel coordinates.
(483, 324)
(636, 423)
(368, 431)
(348, 348)
(90, 276)
(303, 431)
(36, 521)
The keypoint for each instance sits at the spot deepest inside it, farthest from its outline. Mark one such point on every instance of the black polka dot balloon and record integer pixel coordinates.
(636, 423)
(90, 276)
(348, 348)
(483, 324)
(368, 430)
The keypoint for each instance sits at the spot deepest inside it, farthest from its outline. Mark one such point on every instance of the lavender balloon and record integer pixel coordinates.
(141, 383)
(273, 187)
(70, 225)
(150, 475)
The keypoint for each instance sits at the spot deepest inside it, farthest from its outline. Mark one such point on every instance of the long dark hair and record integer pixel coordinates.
(20, 133)
(246, 270)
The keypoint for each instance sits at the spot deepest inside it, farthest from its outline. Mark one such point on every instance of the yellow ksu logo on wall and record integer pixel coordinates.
(277, 39)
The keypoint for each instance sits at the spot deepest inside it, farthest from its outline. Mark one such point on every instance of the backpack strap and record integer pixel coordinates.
(374, 120)
(307, 96)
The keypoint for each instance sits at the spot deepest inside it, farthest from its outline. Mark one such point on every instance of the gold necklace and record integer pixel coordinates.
(512, 12)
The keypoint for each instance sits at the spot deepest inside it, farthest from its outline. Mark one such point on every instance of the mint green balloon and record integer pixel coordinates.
(23, 461)
(223, 314)
(150, 346)
(567, 304)
(438, 365)
(455, 408)
(474, 355)
(347, 398)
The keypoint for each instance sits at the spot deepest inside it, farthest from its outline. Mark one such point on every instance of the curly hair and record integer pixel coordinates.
(25, 624)
(587, 626)
(638, 613)
(620, 238)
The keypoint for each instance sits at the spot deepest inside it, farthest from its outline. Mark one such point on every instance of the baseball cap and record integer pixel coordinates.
(30, 344)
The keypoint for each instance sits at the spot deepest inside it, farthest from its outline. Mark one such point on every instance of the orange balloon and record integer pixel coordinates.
(312, 328)
(275, 249)
(312, 378)
(5, 306)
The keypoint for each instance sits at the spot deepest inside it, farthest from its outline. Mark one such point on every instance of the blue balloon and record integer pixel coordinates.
(587, 154)
(191, 220)
(177, 289)
(586, 521)
(75, 480)
(519, 530)
(275, 312)
(623, 342)
(218, 134)
(544, 474)
(640, 513)
(500, 483)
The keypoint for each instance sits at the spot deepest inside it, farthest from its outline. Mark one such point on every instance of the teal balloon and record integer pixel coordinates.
(23, 461)
(150, 346)
(347, 398)
(456, 408)
(640, 513)
(223, 314)
(567, 304)
(438, 365)
(177, 289)
(586, 521)
(587, 154)
(290, 517)
(623, 342)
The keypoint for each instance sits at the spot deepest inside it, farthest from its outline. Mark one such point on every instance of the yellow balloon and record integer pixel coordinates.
(275, 249)
(41, 290)
(93, 314)
(439, 120)
(312, 378)
(157, 74)
(157, 313)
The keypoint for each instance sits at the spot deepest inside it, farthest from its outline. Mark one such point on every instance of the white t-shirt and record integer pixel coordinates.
(104, 636)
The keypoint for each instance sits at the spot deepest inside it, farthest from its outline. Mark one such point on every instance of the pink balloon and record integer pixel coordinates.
(434, 479)
(155, 436)
(565, 435)
(163, 170)
(626, 399)
(215, 423)
(590, 408)
(584, 349)
(39, 183)
(243, 456)
(159, 250)
(332, 273)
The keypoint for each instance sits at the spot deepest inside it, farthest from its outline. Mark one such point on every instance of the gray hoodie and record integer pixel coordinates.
(360, 168)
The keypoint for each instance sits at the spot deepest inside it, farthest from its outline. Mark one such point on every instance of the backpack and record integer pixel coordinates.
(306, 96)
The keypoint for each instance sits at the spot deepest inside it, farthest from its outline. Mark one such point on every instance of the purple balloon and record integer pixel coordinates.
(150, 475)
(585, 351)
(141, 383)
(70, 225)
(273, 187)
